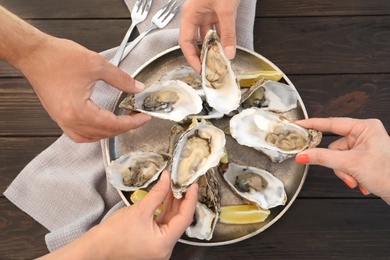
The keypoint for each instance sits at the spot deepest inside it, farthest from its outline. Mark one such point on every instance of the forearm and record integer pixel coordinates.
(18, 38)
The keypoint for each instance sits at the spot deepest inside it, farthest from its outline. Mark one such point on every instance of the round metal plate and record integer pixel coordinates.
(154, 137)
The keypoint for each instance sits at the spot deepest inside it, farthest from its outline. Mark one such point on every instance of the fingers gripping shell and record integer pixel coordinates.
(272, 134)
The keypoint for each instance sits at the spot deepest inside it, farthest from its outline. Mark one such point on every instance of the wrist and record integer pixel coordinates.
(19, 39)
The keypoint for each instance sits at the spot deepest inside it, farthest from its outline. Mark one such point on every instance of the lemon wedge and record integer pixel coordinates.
(247, 79)
(242, 214)
(138, 195)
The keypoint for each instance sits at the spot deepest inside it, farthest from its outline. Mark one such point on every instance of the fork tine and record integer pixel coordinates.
(148, 5)
(164, 8)
(170, 11)
(137, 4)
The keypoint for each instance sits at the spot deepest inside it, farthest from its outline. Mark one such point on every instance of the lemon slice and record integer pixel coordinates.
(138, 195)
(242, 214)
(247, 79)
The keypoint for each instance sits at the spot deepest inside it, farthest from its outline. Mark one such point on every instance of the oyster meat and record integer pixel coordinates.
(256, 186)
(136, 170)
(173, 100)
(198, 149)
(218, 79)
(207, 208)
(272, 134)
(273, 95)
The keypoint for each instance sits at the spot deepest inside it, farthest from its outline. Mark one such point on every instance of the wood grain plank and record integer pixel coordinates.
(20, 236)
(281, 8)
(21, 112)
(16, 153)
(70, 9)
(86, 9)
(312, 229)
(347, 225)
(325, 45)
(304, 45)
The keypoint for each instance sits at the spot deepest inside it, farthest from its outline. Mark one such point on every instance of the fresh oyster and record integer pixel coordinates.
(198, 149)
(185, 74)
(272, 134)
(173, 100)
(207, 208)
(136, 170)
(273, 95)
(218, 79)
(256, 186)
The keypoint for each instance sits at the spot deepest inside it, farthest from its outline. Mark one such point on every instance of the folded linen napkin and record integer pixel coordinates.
(65, 187)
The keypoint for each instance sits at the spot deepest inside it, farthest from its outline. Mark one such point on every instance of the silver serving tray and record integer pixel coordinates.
(154, 137)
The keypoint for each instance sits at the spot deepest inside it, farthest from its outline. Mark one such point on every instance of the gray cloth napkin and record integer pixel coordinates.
(65, 187)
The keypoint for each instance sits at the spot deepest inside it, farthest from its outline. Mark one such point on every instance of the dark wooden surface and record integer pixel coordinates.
(337, 54)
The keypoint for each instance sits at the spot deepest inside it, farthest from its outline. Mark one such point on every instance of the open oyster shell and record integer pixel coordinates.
(198, 149)
(272, 134)
(208, 207)
(173, 100)
(136, 170)
(273, 95)
(218, 79)
(256, 186)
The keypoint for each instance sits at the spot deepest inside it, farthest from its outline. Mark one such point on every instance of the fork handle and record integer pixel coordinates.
(132, 44)
(119, 53)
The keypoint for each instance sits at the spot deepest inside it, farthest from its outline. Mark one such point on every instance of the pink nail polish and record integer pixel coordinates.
(302, 158)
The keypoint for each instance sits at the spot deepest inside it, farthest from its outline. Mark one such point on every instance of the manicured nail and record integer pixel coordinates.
(302, 158)
(230, 52)
(349, 184)
(139, 85)
(362, 190)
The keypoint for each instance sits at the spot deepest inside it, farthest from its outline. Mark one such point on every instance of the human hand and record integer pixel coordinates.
(133, 232)
(361, 157)
(63, 75)
(202, 15)
(139, 235)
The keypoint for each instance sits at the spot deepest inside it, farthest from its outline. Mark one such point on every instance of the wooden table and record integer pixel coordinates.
(337, 54)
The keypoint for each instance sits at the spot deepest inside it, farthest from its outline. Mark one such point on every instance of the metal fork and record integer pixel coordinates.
(159, 20)
(138, 15)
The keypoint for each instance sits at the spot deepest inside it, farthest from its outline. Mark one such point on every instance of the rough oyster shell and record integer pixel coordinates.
(198, 149)
(256, 185)
(218, 80)
(173, 100)
(136, 170)
(273, 95)
(272, 134)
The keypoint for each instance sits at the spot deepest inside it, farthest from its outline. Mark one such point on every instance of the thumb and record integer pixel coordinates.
(120, 79)
(157, 194)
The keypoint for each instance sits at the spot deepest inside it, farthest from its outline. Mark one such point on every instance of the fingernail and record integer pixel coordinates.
(230, 52)
(302, 158)
(362, 190)
(139, 85)
(349, 184)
